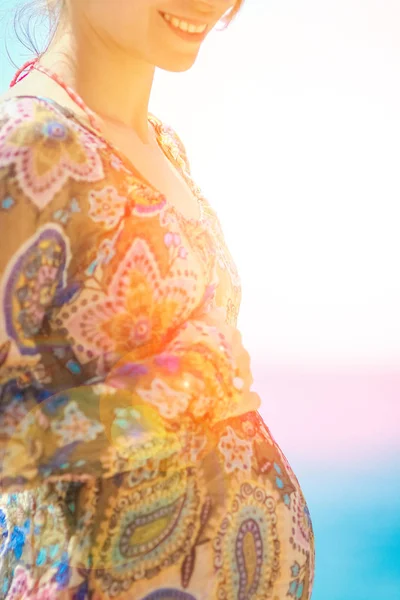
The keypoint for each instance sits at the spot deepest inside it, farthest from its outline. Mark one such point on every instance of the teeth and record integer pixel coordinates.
(183, 25)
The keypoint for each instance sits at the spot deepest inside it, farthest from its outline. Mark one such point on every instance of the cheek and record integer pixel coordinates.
(119, 18)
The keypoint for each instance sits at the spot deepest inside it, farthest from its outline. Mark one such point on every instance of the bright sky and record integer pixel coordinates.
(291, 120)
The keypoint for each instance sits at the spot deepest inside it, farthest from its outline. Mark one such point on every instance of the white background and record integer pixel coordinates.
(292, 125)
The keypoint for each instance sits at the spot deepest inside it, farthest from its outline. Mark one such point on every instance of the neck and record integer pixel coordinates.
(114, 86)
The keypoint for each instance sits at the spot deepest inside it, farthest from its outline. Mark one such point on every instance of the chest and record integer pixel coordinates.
(152, 165)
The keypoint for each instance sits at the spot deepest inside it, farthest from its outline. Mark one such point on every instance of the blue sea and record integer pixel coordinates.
(356, 521)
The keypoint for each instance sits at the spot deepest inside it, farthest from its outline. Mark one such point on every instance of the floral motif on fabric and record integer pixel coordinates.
(11, 415)
(63, 215)
(132, 312)
(266, 455)
(76, 426)
(106, 206)
(169, 402)
(236, 451)
(47, 149)
(144, 200)
(24, 586)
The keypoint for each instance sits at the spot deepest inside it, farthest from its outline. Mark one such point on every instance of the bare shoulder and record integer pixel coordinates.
(25, 87)
(18, 90)
(37, 84)
(7, 95)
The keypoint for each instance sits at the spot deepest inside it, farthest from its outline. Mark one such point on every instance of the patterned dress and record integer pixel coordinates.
(134, 464)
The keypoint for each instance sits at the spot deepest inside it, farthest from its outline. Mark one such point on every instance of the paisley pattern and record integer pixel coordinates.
(133, 461)
(146, 528)
(247, 545)
(169, 594)
(34, 277)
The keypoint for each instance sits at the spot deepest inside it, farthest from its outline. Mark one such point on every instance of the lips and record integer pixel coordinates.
(186, 35)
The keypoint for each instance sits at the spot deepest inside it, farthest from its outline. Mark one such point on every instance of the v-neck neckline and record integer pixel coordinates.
(157, 125)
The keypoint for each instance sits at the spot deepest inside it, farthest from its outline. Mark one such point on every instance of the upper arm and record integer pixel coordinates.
(35, 248)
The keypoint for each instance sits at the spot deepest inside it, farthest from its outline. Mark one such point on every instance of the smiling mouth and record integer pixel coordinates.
(186, 29)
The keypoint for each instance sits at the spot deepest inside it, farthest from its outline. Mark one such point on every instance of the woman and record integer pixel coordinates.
(134, 464)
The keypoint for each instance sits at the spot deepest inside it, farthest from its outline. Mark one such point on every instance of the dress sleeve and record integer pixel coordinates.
(142, 410)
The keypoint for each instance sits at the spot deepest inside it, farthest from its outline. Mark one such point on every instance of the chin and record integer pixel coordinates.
(177, 68)
(176, 64)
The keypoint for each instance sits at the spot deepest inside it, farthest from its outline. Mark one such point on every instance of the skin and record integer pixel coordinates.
(108, 50)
